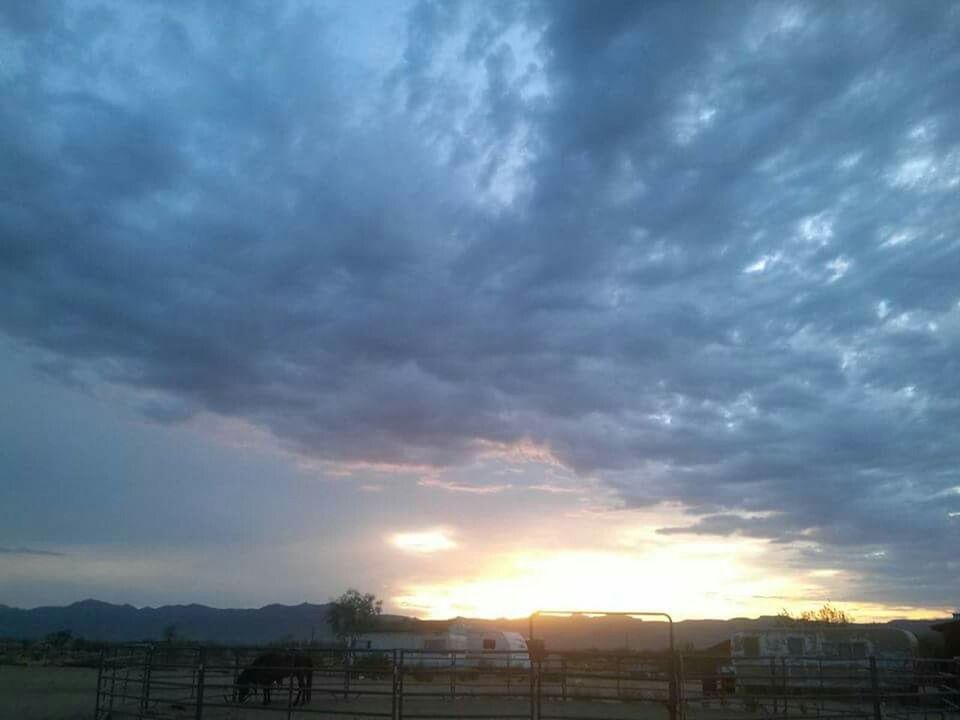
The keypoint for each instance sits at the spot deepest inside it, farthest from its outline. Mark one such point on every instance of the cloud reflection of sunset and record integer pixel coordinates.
(427, 541)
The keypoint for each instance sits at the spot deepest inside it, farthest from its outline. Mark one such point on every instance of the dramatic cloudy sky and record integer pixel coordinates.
(481, 307)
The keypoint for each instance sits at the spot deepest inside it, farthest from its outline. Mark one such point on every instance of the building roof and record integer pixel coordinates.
(948, 625)
(420, 627)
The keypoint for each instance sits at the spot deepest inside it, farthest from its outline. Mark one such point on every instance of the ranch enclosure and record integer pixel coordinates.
(196, 683)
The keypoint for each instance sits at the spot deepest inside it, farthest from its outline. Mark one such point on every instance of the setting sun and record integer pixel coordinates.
(689, 580)
(701, 579)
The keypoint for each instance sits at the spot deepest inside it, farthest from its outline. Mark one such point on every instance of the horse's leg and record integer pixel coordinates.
(266, 694)
(301, 700)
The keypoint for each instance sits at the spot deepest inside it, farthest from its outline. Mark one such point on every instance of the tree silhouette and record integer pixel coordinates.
(826, 615)
(170, 634)
(59, 640)
(353, 614)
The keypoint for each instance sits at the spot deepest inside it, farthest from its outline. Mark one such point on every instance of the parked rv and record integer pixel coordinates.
(438, 645)
(823, 656)
(430, 645)
(497, 649)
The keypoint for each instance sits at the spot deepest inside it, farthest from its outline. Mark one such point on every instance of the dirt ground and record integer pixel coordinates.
(46, 693)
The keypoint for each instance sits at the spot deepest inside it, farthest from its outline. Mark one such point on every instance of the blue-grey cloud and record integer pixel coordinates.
(708, 254)
(29, 551)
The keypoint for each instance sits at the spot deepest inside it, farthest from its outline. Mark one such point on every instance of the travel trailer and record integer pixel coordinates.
(823, 656)
(429, 644)
(497, 649)
(424, 645)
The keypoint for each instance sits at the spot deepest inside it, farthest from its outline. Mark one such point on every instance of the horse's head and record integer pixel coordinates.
(244, 685)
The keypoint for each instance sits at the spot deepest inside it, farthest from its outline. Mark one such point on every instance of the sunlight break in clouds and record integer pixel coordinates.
(718, 580)
(699, 580)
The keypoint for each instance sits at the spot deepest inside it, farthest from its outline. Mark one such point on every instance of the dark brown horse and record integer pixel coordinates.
(275, 667)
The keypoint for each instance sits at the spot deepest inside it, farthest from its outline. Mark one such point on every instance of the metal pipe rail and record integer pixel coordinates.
(199, 683)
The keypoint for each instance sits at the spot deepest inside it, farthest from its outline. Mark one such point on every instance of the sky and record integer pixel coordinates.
(481, 307)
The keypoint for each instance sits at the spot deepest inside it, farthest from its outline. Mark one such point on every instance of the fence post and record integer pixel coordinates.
(563, 677)
(201, 676)
(96, 707)
(773, 685)
(783, 684)
(681, 696)
(145, 682)
(193, 673)
(393, 686)
(820, 702)
(533, 697)
(113, 682)
(671, 687)
(293, 672)
(400, 688)
(540, 687)
(347, 665)
(618, 677)
(875, 689)
(956, 680)
(236, 675)
(509, 672)
(453, 675)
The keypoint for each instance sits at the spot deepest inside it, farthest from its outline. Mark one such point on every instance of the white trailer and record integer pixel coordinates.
(433, 648)
(454, 646)
(497, 649)
(823, 656)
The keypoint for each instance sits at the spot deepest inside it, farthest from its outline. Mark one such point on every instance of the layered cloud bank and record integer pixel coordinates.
(698, 256)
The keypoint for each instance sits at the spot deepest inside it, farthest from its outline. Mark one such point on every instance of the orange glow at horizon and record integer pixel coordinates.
(695, 580)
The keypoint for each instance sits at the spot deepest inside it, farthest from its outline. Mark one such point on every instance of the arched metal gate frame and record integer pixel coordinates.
(674, 705)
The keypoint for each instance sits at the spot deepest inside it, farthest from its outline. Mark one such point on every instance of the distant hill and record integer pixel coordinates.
(609, 633)
(97, 620)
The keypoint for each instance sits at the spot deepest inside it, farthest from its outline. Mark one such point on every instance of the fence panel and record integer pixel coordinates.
(155, 682)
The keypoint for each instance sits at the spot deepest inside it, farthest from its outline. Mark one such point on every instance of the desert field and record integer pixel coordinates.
(46, 693)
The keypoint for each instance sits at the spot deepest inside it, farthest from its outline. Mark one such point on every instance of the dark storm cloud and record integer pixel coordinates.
(707, 253)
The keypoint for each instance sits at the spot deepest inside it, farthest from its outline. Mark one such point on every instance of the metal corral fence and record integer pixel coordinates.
(816, 687)
(202, 683)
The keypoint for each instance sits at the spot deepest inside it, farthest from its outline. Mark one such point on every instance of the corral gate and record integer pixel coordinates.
(655, 669)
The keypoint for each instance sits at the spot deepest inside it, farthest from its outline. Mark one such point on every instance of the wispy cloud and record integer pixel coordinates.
(29, 551)
(463, 487)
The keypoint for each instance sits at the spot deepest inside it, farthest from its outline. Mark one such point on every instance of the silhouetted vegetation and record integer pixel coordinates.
(826, 615)
(353, 614)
